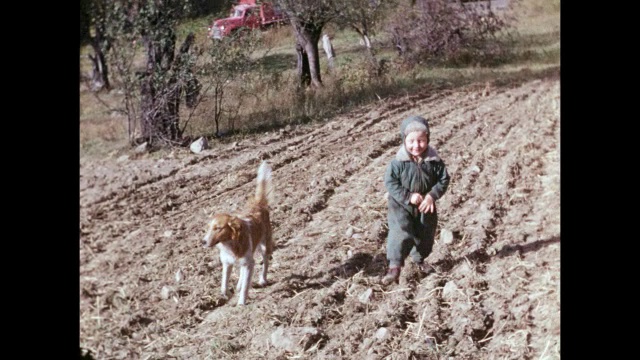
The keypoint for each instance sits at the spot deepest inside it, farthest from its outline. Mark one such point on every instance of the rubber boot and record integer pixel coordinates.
(393, 275)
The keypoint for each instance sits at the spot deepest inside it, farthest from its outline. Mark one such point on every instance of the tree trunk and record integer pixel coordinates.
(163, 85)
(304, 74)
(85, 22)
(307, 37)
(182, 83)
(367, 41)
(147, 108)
(100, 75)
(364, 34)
(158, 109)
(218, 96)
(328, 49)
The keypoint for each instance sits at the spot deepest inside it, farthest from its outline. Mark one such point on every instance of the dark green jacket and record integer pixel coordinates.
(403, 177)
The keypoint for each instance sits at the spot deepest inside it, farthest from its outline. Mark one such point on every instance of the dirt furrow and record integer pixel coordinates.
(482, 314)
(494, 290)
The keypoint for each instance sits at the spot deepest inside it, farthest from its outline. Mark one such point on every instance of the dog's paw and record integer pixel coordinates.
(262, 283)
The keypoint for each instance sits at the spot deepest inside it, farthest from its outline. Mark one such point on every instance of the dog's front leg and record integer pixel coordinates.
(244, 283)
(226, 271)
(241, 277)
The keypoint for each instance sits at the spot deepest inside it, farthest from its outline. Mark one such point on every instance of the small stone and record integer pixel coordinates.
(142, 148)
(199, 145)
(295, 338)
(446, 236)
(166, 292)
(449, 290)
(430, 342)
(349, 232)
(365, 297)
(382, 334)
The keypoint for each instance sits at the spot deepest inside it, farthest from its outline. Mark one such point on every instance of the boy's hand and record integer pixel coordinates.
(426, 205)
(416, 199)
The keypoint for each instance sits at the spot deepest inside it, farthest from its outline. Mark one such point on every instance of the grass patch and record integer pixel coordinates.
(266, 98)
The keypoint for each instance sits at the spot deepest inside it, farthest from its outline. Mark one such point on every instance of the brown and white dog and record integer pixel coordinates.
(238, 236)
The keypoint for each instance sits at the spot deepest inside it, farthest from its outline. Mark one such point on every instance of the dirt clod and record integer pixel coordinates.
(495, 293)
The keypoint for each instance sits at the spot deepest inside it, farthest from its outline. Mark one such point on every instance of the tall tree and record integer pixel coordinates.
(308, 17)
(93, 28)
(85, 22)
(229, 60)
(426, 30)
(153, 94)
(165, 78)
(363, 16)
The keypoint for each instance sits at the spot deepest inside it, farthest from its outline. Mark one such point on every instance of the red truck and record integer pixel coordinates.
(247, 14)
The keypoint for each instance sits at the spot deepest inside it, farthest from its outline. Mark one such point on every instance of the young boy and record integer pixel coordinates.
(415, 179)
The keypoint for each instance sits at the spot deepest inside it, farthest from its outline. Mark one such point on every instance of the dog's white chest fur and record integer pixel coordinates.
(227, 256)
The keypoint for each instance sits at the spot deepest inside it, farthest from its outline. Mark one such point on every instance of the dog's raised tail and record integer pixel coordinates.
(263, 190)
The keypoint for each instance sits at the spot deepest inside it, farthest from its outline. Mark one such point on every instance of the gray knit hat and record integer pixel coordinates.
(413, 123)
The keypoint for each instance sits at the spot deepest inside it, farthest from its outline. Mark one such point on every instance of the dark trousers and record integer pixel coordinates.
(414, 238)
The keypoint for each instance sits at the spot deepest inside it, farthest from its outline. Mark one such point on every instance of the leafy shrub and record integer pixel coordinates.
(436, 30)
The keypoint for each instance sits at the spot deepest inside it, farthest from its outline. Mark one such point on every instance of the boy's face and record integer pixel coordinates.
(416, 142)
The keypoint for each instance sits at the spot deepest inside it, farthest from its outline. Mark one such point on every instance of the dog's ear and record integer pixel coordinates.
(234, 225)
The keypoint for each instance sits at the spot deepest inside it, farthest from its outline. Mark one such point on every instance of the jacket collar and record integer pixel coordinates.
(403, 155)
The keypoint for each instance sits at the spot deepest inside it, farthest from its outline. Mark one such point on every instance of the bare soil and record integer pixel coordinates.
(495, 292)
